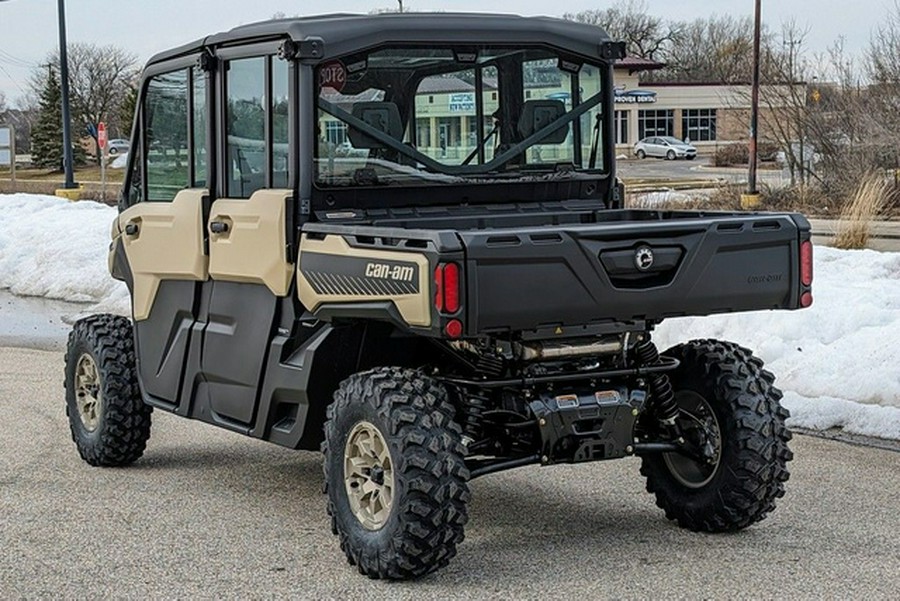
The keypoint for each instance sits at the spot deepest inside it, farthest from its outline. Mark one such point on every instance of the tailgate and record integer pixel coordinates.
(531, 278)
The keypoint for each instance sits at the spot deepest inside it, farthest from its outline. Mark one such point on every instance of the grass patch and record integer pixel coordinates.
(854, 225)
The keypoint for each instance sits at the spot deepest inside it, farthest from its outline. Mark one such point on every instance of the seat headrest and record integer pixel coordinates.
(538, 114)
(383, 116)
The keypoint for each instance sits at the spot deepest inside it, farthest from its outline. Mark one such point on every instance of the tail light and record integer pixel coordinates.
(446, 296)
(806, 272)
(446, 287)
(806, 263)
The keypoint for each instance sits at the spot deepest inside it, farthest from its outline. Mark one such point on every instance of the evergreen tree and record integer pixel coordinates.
(127, 111)
(46, 137)
(47, 134)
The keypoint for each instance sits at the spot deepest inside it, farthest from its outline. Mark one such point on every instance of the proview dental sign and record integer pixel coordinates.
(635, 97)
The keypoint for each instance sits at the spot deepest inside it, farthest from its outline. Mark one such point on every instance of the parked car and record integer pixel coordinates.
(118, 146)
(665, 147)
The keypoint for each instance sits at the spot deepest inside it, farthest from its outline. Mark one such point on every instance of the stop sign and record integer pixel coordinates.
(101, 134)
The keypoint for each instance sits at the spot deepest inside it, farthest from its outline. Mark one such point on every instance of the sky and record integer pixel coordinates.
(28, 28)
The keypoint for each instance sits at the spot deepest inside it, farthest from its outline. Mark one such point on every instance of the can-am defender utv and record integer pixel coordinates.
(400, 239)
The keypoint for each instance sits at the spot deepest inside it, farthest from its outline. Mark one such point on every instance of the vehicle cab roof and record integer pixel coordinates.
(344, 33)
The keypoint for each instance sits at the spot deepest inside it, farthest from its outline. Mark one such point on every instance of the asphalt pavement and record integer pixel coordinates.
(699, 169)
(210, 514)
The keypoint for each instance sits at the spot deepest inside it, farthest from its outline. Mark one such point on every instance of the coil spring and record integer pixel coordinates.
(660, 386)
(474, 404)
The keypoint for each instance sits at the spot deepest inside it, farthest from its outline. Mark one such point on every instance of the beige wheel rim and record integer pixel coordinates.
(369, 476)
(88, 397)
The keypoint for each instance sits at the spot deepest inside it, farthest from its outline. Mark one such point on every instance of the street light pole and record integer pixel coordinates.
(754, 106)
(750, 199)
(64, 86)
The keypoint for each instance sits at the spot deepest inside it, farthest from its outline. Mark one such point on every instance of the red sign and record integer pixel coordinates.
(101, 134)
(333, 75)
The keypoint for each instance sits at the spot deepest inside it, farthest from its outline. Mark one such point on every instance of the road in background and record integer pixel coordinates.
(694, 170)
(210, 514)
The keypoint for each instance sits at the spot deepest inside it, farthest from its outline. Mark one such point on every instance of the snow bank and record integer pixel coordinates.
(843, 347)
(54, 248)
(838, 362)
(120, 162)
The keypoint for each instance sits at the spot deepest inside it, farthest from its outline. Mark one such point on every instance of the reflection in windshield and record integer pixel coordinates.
(399, 116)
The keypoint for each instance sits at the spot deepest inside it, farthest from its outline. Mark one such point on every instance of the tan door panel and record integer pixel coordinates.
(163, 241)
(248, 240)
(332, 271)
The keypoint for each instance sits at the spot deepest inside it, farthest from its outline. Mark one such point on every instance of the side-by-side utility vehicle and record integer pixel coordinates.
(400, 239)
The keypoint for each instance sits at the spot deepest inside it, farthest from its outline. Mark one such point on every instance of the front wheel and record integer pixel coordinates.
(394, 473)
(730, 412)
(641, 154)
(109, 421)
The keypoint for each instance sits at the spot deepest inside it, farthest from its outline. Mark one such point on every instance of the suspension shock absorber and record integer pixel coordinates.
(472, 407)
(660, 387)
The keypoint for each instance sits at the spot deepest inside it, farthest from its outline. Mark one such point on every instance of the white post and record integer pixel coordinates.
(103, 158)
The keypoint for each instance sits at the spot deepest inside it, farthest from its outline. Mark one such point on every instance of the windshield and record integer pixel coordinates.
(399, 116)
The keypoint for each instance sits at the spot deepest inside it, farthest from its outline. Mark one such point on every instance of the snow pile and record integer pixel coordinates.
(54, 248)
(844, 348)
(120, 162)
(837, 362)
(653, 200)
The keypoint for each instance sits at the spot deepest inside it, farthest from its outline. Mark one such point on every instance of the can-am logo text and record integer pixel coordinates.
(400, 273)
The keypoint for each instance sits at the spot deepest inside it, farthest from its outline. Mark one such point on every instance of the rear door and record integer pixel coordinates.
(161, 232)
(250, 262)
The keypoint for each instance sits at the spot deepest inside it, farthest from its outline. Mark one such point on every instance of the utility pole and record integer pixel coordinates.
(750, 200)
(64, 85)
(400, 2)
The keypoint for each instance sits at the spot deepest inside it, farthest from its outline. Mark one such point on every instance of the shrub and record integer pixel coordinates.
(871, 197)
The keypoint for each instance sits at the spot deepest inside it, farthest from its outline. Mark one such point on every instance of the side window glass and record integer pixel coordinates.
(199, 130)
(135, 179)
(246, 127)
(279, 123)
(166, 114)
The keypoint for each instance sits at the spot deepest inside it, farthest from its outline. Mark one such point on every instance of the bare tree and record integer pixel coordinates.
(100, 78)
(714, 49)
(646, 36)
(884, 50)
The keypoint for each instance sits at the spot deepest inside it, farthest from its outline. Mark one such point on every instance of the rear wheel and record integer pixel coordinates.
(641, 154)
(730, 413)
(670, 155)
(394, 473)
(109, 421)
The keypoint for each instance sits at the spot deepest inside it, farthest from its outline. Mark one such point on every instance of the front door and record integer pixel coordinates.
(163, 244)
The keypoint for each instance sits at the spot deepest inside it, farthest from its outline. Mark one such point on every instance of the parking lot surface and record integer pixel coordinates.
(208, 513)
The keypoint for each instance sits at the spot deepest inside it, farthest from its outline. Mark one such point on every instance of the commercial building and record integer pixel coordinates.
(707, 114)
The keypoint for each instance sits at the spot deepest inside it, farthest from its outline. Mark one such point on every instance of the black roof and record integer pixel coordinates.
(344, 33)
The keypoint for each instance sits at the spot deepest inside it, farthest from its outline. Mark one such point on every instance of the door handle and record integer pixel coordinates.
(218, 227)
(131, 229)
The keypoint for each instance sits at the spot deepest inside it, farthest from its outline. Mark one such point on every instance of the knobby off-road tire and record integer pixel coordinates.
(751, 470)
(429, 491)
(110, 423)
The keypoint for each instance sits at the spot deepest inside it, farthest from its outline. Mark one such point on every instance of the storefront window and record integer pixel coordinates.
(656, 123)
(621, 128)
(699, 125)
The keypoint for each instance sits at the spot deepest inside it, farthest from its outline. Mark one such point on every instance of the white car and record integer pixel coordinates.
(118, 146)
(664, 147)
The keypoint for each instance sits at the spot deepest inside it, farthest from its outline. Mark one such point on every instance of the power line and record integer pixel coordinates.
(11, 59)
